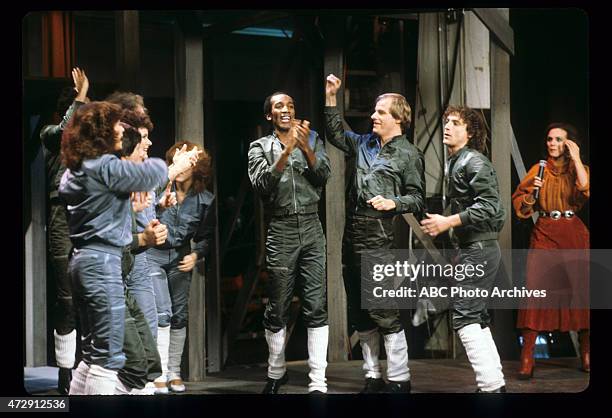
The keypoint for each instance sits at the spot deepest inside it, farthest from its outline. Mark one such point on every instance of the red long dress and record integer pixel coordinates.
(559, 192)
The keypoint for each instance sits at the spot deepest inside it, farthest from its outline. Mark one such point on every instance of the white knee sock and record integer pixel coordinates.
(79, 377)
(65, 349)
(317, 357)
(494, 354)
(397, 357)
(370, 348)
(175, 352)
(477, 344)
(276, 349)
(100, 381)
(163, 343)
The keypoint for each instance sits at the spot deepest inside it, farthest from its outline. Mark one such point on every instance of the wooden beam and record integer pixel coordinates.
(127, 48)
(499, 27)
(501, 151)
(36, 267)
(520, 166)
(338, 349)
(189, 114)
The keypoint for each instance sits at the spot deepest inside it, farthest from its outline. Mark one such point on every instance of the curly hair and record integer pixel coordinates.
(476, 127)
(127, 100)
(90, 133)
(202, 172)
(399, 109)
(137, 120)
(131, 138)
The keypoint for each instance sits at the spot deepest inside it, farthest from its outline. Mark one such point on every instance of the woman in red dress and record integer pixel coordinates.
(564, 189)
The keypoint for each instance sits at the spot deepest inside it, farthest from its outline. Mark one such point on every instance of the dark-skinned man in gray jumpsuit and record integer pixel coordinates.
(288, 169)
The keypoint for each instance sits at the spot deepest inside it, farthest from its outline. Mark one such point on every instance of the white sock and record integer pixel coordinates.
(317, 357)
(487, 368)
(65, 349)
(276, 349)
(494, 353)
(100, 381)
(175, 352)
(397, 357)
(163, 343)
(121, 389)
(370, 348)
(79, 377)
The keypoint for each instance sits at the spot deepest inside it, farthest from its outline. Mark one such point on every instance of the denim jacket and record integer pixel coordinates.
(98, 197)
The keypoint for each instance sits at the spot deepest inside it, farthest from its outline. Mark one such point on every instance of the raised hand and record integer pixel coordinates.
(81, 83)
(301, 133)
(169, 198)
(141, 201)
(332, 85)
(573, 149)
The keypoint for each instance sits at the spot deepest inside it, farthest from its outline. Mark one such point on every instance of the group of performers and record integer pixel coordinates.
(122, 224)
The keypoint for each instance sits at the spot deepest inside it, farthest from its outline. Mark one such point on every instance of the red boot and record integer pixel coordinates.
(527, 362)
(585, 350)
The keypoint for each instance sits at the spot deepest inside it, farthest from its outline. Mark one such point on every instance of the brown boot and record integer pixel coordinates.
(527, 362)
(585, 350)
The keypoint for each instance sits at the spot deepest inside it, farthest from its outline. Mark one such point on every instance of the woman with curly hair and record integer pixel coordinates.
(564, 189)
(172, 262)
(96, 188)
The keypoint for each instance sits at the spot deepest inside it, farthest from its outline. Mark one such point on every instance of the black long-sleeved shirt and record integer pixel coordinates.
(395, 171)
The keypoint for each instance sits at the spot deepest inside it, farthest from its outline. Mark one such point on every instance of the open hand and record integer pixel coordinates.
(188, 262)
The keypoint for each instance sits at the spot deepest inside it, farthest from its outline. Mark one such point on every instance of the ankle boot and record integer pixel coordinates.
(585, 350)
(527, 361)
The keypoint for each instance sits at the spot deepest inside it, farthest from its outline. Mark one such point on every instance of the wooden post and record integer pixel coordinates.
(189, 114)
(127, 47)
(36, 268)
(338, 348)
(501, 151)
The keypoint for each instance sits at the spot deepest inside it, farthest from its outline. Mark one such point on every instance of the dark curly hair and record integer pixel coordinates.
(137, 120)
(131, 138)
(202, 172)
(90, 133)
(476, 127)
(127, 100)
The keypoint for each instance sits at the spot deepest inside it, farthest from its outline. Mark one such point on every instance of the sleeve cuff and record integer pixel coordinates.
(529, 200)
(582, 189)
(398, 204)
(464, 217)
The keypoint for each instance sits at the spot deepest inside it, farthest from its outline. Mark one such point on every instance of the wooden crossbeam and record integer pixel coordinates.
(498, 26)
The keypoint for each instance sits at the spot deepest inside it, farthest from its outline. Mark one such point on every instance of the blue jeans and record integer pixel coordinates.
(98, 291)
(140, 286)
(171, 287)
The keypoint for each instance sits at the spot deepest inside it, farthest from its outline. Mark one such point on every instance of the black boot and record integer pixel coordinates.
(373, 385)
(398, 387)
(274, 384)
(501, 389)
(63, 380)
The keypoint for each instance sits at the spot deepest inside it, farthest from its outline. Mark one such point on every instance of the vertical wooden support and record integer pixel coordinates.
(127, 47)
(36, 268)
(338, 348)
(189, 115)
(501, 151)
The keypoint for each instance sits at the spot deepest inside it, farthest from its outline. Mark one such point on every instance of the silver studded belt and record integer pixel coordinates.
(557, 214)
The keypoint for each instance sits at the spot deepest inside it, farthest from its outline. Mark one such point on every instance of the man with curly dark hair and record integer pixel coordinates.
(477, 216)
(96, 188)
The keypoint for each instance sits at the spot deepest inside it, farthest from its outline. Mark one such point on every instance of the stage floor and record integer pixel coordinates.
(560, 375)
